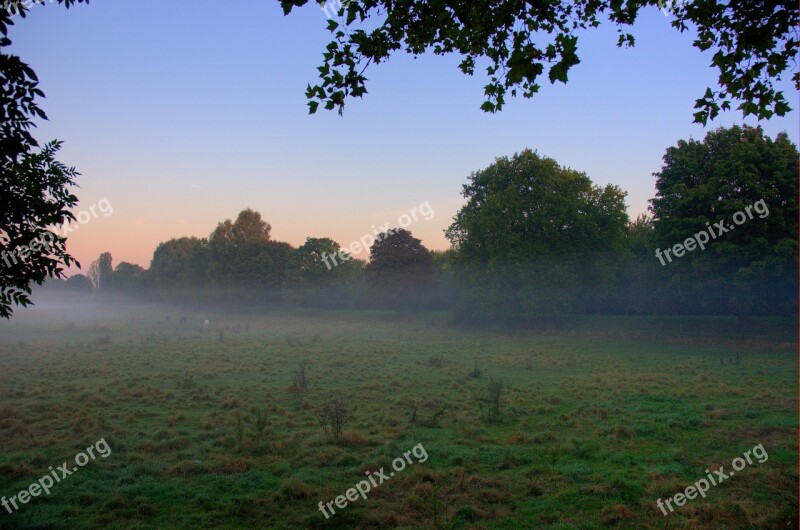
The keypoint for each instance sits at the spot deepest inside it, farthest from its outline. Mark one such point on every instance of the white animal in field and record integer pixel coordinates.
(205, 325)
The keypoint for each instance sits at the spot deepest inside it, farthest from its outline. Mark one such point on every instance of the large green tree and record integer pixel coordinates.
(743, 186)
(754, 43)
(528, 206)
(534, 237)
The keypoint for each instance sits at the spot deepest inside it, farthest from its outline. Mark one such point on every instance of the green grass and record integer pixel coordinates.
(600, 416)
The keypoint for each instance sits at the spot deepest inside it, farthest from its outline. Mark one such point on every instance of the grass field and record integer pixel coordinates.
(599, 417)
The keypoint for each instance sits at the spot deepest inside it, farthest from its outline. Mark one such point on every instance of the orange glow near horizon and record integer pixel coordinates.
(133, 238)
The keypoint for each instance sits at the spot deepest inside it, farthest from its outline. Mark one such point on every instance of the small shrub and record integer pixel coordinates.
(466, 514)
(187, 381)
(300, 382)
(490, 404)
(333, 416)
(528, 365)
(239, 429)
(434, 362)
(475, 373)
(412, 408)
(250, 433)
(259, 425)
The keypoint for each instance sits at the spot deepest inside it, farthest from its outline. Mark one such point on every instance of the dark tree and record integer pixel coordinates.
(105, 264)
(79, 283)
(34, 187)
(534, 237)
(34, 196)
(100, 272)
(754, 44)
(128, 278)
(242, 254)
(748, 182)
(400, 271)
(171, 266)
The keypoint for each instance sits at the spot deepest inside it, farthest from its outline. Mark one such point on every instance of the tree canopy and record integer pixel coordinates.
(711, 185)
(400, 269)
(534, 237)
(34, 187)
(754, 43)
(528, 206)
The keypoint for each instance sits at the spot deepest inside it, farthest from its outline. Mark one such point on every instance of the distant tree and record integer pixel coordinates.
(199, 263)
(443, 261)
(34, 187)
(128, 278)
(752, 266)
(100, 272)
(534, 236)
(265, 266)
(444, 269)
(249, 227)
(640, 235)
(172, 265)
(312, 265)
(93, 274)
(241, 253)
(105, 264)
(318, 277)
(400, 270)
(754, 44)
(79, 283)
(641, 287)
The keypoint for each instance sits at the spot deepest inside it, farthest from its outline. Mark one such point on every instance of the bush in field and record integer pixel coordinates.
(434, 362)
(258, 427)
(333, 415)
(475, 373)
(490, 404)
(300, 382)
(412, 412)
(400, 273)
(239, 429)
(187, 381)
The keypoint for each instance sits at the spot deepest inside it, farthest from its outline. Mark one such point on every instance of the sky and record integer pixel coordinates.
(180, 114)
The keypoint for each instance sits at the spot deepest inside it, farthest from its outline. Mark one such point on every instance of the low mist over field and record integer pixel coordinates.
(591, 420)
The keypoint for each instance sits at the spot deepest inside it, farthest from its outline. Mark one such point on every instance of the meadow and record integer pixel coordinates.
(581, 424)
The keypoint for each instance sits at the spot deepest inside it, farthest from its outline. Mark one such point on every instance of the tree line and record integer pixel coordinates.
(753, 44)
(533, 239)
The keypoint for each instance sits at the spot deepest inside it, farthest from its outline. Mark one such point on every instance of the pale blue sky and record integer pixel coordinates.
(182, 113)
